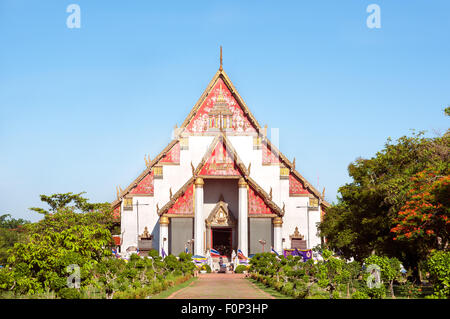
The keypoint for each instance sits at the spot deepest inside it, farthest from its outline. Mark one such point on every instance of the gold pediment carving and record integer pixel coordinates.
(220, 216)
(296, 234)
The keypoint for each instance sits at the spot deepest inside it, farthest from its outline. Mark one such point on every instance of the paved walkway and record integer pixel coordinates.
(221, 286)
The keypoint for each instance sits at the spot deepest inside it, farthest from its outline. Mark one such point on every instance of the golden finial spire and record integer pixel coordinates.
(221, 61)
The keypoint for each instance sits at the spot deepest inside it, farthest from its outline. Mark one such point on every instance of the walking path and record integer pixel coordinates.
(221, 286)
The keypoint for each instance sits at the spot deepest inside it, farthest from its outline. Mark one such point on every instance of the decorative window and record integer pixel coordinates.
(158, 172)
(184, 143)
(284, 172)
(128, 203)
(256, 142)
(313, 202)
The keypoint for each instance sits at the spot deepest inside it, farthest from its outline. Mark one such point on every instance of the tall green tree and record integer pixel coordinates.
(59, 240)
(11, 232)
(63, 200)
(360, 222)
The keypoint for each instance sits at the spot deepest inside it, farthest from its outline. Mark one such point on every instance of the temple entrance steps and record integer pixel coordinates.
(215, 263)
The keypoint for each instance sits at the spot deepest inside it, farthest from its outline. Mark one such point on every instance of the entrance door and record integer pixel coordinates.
(222, 240)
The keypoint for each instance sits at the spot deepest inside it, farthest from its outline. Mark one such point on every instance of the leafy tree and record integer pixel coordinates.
(333, 273)
(389, 267)
(59, 201)
(438, 266)
(367, 209)
(59, 240)
(425, 217)
(11, 232)
(7, 222)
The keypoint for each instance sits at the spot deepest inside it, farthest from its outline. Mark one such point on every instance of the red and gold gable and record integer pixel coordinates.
(220, 163)
(268, 156)
(256, 204)
(116, 213)
(296, 187)
(184, 205)
(173, 156)
(145, 186)
(201, 122)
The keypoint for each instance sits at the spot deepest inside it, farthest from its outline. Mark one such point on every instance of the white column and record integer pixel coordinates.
(198, 219)
(164, 234)
(277, 240)
(243, 216)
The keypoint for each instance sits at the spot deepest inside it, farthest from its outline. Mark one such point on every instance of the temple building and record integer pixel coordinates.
(221, 184)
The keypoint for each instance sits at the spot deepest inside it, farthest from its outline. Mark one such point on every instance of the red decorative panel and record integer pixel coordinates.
(116, 213)
(184, 205)
(268, 157)
(220, 163)
(220, 95)
(256, 204)
(296, 187)
(172, 156)
(145, 186)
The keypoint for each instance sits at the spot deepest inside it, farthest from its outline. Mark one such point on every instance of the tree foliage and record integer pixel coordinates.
(368, 208)
(11, 232)
(425, 216)
(59, 240)
(63, 200)
(438, 266)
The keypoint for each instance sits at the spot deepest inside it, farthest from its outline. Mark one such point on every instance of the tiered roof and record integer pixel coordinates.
(219, 90)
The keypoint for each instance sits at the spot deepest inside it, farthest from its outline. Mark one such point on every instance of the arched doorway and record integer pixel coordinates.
(220, 228)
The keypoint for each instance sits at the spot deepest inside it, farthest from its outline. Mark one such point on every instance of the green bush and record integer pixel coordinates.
(438, 265)
(359, 295)
(69, 293)
(240, 269)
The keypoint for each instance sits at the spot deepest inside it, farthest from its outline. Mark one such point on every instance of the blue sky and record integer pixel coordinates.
(79, 108)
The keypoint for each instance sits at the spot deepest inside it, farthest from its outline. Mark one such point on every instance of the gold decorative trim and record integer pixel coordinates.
(296, 234)
(277, 221)
(179, 216)
(219, 176)
(220, 216)
(262, 215)
(199, 182)
(164, 220)
(299, 195)
(242, 183)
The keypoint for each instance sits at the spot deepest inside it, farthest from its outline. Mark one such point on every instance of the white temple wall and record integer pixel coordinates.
(129, 221)
(314, 220)
(295, 216)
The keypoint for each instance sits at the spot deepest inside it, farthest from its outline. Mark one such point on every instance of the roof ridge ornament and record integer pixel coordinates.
(221, 60)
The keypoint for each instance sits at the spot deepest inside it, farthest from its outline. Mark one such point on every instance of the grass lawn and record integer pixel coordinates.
(166, 293)
(273, 292)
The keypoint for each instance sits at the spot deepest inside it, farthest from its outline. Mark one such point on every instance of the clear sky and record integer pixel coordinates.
(80, 107)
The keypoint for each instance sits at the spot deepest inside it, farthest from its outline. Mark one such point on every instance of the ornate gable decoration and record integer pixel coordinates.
(172, 156)
(184, 204)
(296, 188)
(221, 216)
(145, 186)
(116, 213)
(256, 204)
(220, 111)
(220, 160)
(268, 155)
